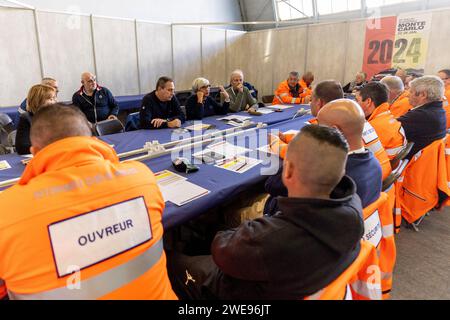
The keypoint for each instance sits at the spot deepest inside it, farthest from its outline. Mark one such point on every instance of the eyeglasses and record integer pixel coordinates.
(205, 87)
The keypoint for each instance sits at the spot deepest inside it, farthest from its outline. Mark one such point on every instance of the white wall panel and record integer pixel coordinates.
(19, 58)
(155, 53)
(289, 52)
(214, 56)
(355, 49)
(439, 44)
(67, 51)
(326, 51)
(258, 69)
(236, 53)
(115, 51)
(187, 55)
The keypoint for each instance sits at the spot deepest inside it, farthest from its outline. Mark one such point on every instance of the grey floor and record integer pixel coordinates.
(423, 260)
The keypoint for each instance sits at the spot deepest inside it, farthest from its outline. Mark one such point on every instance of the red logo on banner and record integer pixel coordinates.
(379, 42)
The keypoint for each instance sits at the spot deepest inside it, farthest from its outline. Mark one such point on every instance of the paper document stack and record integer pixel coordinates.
(177, 189)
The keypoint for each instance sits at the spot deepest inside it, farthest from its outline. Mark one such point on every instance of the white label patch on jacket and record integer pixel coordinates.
(369, 133)
(96, 236)
(372, 229)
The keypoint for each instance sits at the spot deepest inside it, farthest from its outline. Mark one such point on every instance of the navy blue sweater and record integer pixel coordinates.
(153, 108)
(363, 168)
(98, 107)
(424, 125)
(209, 107)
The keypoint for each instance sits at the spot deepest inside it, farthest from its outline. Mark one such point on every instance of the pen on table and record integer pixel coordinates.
(237, 170)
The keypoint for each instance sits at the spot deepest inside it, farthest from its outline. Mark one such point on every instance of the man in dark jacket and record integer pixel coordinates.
(426, 122)
(96, 102)
(312, 239)
(160, 108)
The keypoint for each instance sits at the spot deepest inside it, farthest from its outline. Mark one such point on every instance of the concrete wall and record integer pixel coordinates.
(170, 11)
(329, 50)
(128, 56)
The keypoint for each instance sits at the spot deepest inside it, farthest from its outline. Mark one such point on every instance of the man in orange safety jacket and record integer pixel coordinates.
(293, 91)
(373, 99)
(79, 224)
(398, 96)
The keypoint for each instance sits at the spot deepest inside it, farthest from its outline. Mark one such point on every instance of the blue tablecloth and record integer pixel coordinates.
(223, 184)
(136, 139)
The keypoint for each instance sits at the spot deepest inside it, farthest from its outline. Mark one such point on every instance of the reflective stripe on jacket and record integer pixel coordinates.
(283, 94)
(360, 281)
(417, 188)
(389, 130)
(373, 143)
(379, 230)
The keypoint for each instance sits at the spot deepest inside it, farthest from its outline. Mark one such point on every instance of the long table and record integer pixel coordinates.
(223, 184)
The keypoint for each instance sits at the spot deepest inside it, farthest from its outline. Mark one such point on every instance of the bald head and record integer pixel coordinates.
(89, 82)
(57, 122)
(315, 162)
(347, 116)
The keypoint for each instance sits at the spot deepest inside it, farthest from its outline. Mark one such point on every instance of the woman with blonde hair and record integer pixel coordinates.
(39, 96)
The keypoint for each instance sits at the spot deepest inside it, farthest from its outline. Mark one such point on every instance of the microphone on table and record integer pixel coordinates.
(300, 113)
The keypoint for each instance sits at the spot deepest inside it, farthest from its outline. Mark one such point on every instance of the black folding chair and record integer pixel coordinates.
(267, 99)
(395, 174)
(106, 127)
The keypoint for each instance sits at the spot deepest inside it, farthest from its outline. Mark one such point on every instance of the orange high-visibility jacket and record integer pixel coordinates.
(417, 188)
(283, 94)
(373, 143)
(446, 105)
(379, 230)
(279, 144)
(81, 225)
(400, 105)
(360, 281)
(447, 163)
(389, 130)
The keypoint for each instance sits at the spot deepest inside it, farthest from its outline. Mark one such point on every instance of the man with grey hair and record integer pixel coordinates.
(398, 96)
(240, 96)
(293, 90)
(426, 121)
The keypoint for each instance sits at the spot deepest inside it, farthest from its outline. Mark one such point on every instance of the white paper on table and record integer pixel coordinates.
(265, 110)
(227, 149)
(235, 117)
(4, 165)
(280, 106)
(182, 192)
(239, 164)
(235, 124)
(166, 177)
(198, 127)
